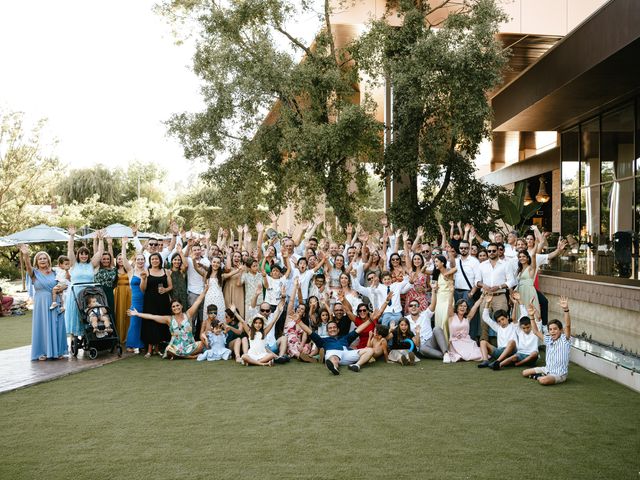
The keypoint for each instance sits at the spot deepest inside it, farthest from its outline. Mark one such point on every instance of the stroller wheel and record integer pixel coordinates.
(93, 353)
(74, 346)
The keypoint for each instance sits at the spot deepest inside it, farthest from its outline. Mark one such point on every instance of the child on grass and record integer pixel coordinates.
(527, 353)
(214, 341)
(493, 356)
(403, 343)
(558, 348)
(379, 343)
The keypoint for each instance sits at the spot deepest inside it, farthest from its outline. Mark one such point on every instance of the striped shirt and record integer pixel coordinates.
(557, 354)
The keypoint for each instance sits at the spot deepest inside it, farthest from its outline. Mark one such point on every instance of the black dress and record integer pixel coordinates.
(154, 333)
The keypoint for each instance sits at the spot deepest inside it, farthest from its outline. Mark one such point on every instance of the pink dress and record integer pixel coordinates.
(294, 339)
(461, 346)
(420, 283)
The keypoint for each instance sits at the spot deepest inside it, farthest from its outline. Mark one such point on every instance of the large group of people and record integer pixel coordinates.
(375, 296)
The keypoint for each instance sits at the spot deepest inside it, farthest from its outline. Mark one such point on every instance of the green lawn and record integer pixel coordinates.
(15, 331)
(145, 419)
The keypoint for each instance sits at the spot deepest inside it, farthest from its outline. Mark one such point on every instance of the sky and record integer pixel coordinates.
(106, 75)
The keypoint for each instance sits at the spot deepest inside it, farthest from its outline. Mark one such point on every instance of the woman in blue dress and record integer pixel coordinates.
(135, 271)
(82, 266)
(48, 333)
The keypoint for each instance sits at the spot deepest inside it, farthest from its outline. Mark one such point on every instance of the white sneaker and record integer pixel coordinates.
(53, 305)
(445, 358)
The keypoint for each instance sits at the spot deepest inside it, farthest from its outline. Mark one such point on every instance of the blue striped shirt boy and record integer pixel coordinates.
(557, 354)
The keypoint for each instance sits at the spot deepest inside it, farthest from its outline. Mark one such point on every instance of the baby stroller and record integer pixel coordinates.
(93, 341)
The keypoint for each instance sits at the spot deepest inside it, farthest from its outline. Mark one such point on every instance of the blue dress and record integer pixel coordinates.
(80, 273)
(137, 301)
(48, 333)
(217, 349)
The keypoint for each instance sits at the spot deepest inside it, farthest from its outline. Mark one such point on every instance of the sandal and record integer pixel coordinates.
(42, 358)
(147, 355)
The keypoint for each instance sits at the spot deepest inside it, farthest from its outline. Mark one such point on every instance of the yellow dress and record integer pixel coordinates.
(122, 300)
(445, 292)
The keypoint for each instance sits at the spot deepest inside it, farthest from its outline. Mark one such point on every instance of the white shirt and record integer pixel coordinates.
(424, 322)
(376, 295)
(471, 267)
(61, 275)
(492, 276)
(397, 289)
(164, 253)
(510, 251)
(527, 342)
(505, 334)
(272, 295)
(195, 281)
(304, 279)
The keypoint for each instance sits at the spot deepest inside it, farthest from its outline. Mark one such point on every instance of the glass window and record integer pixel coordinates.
(590, 152)
(570, 158)
(607, 208)
(570, 213)
(616, 146)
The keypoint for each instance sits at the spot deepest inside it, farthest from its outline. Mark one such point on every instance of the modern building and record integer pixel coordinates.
(567, 122)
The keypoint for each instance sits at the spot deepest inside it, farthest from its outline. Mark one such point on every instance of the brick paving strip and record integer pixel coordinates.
(17, 370)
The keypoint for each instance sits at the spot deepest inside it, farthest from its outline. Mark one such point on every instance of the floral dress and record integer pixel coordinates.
(413, 294)
(294, 339)
(182, 342)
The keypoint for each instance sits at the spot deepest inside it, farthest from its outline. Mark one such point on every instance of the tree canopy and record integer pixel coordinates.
(440, 75)
(26, 172)
(280, 126)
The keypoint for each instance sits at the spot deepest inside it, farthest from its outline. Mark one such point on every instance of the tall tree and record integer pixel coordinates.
(440, 76)
(281, 125)
(26, 172)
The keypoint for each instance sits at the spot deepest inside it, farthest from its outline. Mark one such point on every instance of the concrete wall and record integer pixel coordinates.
(607, 312)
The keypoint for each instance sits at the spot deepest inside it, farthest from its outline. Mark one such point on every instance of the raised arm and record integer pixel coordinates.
(125, 261)
(559, 249)
(97, 255)
(531, 309)
(24, 251)
(564, 304)
(70, 252)
(110, 249)
(475, 308)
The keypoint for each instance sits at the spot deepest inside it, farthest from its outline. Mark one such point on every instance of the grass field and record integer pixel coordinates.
(15, 331)
(146, 419)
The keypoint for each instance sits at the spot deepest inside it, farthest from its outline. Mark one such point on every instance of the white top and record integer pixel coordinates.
(527, 342)
(494, 276)
(471, 267)
(397, 288)
(272, 295)
(195, 281)
(61, 275)
(138, 246)
(305, 280)
(424, 321)
(505, 334)
(375, 295)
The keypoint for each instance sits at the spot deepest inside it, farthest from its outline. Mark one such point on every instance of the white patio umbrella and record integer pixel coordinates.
(117, 230)
(39, 234)
(5, 242)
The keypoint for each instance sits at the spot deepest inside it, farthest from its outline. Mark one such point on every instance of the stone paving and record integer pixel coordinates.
(18, 371)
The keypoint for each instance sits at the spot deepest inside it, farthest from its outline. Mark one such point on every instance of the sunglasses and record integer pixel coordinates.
(153, 244)
(265, 310)
(413, 305)
(362, 310)
(492, 251)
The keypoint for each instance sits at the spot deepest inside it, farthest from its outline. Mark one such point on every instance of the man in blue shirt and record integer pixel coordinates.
(337, 351)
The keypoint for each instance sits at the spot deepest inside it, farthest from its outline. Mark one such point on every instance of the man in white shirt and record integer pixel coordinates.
(495, 278)
(375, 292)
(432, 341)
(467, 275)
(196, 266)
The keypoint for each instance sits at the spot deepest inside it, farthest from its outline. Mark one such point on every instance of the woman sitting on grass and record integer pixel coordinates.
(403, 343)
(182, 344)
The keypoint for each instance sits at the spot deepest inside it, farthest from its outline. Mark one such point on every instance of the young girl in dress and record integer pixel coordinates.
(403, 343)
(258, 353)
(214, 343)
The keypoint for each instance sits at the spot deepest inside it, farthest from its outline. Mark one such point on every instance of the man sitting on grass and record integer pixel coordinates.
(558, 348)
(337, 351)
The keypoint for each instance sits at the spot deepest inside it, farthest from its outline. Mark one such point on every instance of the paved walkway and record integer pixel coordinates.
(18, 371)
